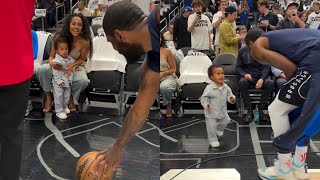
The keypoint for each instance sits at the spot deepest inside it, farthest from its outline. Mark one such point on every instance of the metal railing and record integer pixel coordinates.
(60, 6)
(164, 20)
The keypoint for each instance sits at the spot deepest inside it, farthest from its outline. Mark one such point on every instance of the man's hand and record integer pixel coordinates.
(107, 161)
(282, 76)
(295, 18)
(248, 77)
(259, 84)
(263, 24)
(232, 100)
(196, 18)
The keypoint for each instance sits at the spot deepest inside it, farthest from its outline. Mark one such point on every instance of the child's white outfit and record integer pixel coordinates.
(62, 93)
(217, 118)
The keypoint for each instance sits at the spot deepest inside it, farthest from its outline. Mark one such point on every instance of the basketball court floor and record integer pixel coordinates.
(188, 144)
(52, 148)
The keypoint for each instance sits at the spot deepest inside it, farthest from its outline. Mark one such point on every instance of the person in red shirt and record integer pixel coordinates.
(16, 71)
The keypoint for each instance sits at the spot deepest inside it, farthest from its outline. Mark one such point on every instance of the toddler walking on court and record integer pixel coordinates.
(214, 101)
(61, 81)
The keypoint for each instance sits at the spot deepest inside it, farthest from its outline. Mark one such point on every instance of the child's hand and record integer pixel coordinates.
(61, 84)
(232, 100)
(207, 109)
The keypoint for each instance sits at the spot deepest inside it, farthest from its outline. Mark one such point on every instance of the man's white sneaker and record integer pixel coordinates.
(62, 116)
(219, 133)
(67, 110)
(215, 144)
(301, 172)
(274, 172)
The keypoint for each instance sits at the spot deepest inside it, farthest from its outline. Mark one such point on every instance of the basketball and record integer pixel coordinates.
(84, 168)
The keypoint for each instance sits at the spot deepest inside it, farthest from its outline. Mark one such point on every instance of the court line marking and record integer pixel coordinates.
(184, 159)
(182, 123)
(162, 133)
(58, 134)
(265, 141)
(142, 138)
(216, 153)
(34, 119)
(183, 127)
(256, 145)
(256, 125)
(43, 140)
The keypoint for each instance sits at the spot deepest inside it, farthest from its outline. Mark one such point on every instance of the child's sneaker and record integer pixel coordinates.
(274, 172)
(301, 172)
(215, 144)
(219, 134)
(67, 111)
(62, 116)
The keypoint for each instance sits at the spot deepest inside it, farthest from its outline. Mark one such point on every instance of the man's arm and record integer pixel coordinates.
(136, 117)
(261, 53)
(239, 66)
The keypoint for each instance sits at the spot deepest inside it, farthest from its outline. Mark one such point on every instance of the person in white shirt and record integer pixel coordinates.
(216, 21)
(200, 28)
(168, 36)
(314, 18)
(146, 5)
(93, 6)
(82, 9)
(103, 5)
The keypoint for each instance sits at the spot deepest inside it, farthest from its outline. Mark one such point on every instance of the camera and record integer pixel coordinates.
(293, 14)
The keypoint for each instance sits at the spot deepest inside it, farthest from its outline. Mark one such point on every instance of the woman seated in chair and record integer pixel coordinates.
(76, 30)
(168, 80)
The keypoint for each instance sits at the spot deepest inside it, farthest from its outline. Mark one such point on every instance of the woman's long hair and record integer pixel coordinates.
(85, 33)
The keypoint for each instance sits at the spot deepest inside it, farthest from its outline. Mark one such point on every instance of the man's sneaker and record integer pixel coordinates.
(301, 172)
(67, 111)
(215, 144)
(62, 116)
(219, 133)
(274, 172)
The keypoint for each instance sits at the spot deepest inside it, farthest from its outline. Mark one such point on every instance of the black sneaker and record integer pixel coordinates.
(248, 117)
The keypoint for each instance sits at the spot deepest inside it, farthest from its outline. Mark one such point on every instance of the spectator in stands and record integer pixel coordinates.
(76, 30)
(200, 28)
(267, 20)
(281, 78)
(168, 36)
(244, 12)
(15, 74)
(276, 10)
(82, 9)
(253, 75)
(168, 80)
(313, 21)
(228, 38)
(93, 7)
(303, 17)
(103, 5)
(216, 21)
(301, 6)
(292, 19)
(242, 32)
(181, 35)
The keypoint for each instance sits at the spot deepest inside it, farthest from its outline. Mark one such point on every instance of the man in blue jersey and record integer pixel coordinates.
(298, 57)
(133, 34)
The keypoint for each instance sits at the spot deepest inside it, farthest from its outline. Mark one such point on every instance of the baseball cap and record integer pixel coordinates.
(292, 3)
(187, 9)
